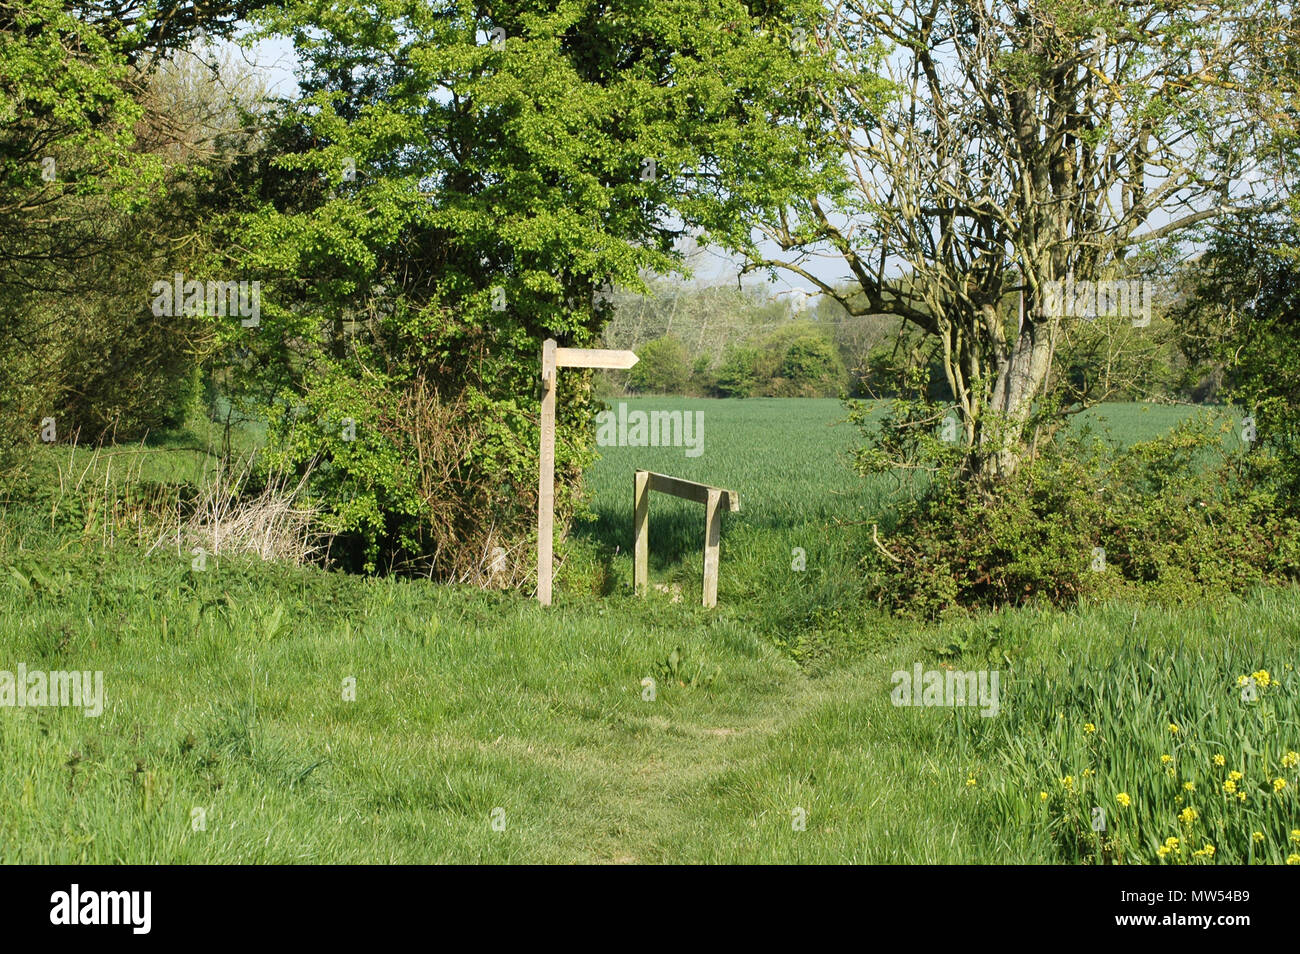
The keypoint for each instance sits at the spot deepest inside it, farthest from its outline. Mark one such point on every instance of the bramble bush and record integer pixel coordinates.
(1174, 518)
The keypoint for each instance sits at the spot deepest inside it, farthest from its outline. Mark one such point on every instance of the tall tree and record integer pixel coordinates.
(1243, 315)
(466, 177)
(109, 174)
(1028, 143)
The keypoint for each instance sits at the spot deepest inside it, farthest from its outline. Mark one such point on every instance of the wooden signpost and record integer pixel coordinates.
(552, 359)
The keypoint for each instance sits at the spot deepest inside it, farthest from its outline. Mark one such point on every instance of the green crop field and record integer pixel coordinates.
(259, 712)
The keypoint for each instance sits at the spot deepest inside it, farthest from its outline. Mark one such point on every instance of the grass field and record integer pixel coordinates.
(614, 729)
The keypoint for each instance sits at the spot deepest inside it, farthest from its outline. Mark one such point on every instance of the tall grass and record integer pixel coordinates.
(258, 711)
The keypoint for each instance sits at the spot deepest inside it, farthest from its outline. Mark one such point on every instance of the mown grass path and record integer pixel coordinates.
(483, 728)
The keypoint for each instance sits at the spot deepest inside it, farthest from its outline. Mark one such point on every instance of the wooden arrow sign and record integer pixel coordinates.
(593, 358)
(552, 358)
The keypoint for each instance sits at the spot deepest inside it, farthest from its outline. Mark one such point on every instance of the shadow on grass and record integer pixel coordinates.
(676, 530)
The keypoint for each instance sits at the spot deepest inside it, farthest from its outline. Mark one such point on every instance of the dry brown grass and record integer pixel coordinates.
(274, 522)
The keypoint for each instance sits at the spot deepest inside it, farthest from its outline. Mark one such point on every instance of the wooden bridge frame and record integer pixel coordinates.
(713, 498)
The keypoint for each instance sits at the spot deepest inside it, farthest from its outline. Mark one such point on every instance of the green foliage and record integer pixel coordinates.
(703, 378)
(798, 360)
(737, 375)
(403, 471)
(809, 367)
(1180, 517)
(1242, 314)
(914, 436)
(72, 172)
(662, 367)
(499, 186)
(687, 674)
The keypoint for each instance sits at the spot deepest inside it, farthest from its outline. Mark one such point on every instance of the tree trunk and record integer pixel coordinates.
(1020, 378)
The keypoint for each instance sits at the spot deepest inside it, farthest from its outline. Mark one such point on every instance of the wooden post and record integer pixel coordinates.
(641, 524)
(546, 480)
(712, 536)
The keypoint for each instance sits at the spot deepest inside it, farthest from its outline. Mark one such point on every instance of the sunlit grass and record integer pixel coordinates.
(767, 735)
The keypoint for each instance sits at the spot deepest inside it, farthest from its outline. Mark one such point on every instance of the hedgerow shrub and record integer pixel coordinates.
(663, 367)
(736, 375)
(796, 361)
(1175, 518)
(810, 367)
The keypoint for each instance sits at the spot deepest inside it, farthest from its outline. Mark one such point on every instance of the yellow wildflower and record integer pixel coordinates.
(1089, 773)
(1241, 796)
(1257, 836)
(1089, 728)
(1206, 852)
(1125, 801)
(1166, 759)
(1229, 787)
(1295, 836)
(1220, 761)
(1042, 796)
(1279, 784)
(1291, 760)
(1173, 727)
(1189, 786)
(1068, 783)
(1188, 815)
(1293, 859)
(1235, 775)
(1262, 678)
(970, 782)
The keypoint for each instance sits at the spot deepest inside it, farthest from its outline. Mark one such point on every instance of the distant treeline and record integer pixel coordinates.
(747, 341)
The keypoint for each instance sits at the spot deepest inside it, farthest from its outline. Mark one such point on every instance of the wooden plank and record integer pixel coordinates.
(690, 490)
(546, 478)
(712, 536)
(641, 524)
(593, 358)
